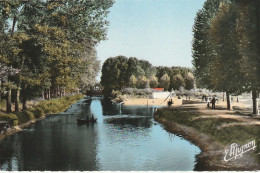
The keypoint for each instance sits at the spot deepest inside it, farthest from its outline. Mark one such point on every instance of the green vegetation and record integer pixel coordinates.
(226, 48)
(209, 126)
(47, 48)
(121, 72)
(44, 107)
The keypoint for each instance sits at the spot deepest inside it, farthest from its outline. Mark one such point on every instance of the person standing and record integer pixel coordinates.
(208, 101)
(213, 101)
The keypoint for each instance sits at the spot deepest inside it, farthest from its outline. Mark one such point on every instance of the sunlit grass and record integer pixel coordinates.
(44, 107)
(239, 134)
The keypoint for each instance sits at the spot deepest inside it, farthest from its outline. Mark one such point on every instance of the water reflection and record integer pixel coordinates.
(56, 144)
(125, 138)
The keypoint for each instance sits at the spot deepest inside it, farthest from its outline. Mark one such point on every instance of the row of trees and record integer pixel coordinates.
(226, 52)
(120, 72)
(51, 44)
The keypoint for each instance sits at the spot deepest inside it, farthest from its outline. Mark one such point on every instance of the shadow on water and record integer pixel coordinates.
(125, 138)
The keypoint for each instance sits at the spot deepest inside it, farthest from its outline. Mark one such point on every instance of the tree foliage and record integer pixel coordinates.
(226, 47)
(120, 72)
(52, 44)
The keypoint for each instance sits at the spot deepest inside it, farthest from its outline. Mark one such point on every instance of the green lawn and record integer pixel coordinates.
(233, 134)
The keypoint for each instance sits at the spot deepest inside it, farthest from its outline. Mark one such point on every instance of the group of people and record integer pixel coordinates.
(170, 102)
(212, 101)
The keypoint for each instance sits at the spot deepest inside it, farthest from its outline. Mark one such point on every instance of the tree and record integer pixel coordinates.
(224, 71)
(142, 83)
(165, 82)
(154, 81)
(52, 44)
(247, 29)
(132, 81)
(177, 81)
(110, 75)
(147, 68)
(225, 47)
(201, 50)
(132, 66)
(189, 81)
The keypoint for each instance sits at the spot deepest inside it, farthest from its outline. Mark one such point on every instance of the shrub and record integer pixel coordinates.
(115, 94)
(7, 117)
(38, 112)
(25, 116)
(29, 115)
(45, 107)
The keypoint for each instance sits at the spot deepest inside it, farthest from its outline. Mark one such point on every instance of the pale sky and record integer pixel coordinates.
(159, 31)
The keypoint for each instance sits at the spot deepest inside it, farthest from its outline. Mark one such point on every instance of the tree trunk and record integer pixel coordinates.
(223, 96)
(43, 95)
(49, 94)
(229, 105)
(255, 103)
(56, 92)
(8, 101)
(60, 91)
(1, 86)
(24, 98)
(24, 103)
(17, 100)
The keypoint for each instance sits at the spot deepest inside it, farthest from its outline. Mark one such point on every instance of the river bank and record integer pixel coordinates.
(213, 131)
(150, 102)
(42, 110)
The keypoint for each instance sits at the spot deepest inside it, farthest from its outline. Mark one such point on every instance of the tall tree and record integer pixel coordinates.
(201, 50)
(177, 81)
(52, 43)
(165, 82)
(189, 81)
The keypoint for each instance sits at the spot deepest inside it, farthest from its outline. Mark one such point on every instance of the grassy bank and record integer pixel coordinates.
(44, 107)
(192, 118)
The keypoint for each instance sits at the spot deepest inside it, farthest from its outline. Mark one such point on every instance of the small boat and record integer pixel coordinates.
(81, 121)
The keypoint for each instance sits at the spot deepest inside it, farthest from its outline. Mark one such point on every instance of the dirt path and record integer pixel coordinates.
(220, 112)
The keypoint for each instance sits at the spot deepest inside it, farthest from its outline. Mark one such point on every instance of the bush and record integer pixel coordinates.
(29, 115)
(38, 112)
(115, 94)
(8, 117)
(44, 107)
(25, 116)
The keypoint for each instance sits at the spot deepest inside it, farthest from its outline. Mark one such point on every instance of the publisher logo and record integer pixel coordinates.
(234, 150)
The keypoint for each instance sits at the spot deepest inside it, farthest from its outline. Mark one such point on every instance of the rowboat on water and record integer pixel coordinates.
(81, 121)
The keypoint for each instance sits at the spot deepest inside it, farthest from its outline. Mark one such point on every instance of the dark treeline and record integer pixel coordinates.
(121, 72)
(50, 45)
(226, 52)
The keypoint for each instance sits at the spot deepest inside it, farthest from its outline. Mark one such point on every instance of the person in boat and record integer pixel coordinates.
(87, 118)
(92, 117)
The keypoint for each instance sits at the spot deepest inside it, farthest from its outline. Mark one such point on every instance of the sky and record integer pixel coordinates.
(159, 31)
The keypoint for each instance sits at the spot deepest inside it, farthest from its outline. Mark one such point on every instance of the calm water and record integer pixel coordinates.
(125, 138)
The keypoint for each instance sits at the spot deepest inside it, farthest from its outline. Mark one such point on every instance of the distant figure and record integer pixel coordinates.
(87, 118)
(208, 102)
(213, 101)
(170, 102)
(92, 117)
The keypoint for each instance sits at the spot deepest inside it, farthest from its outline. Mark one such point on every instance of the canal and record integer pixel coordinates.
(125, 138)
